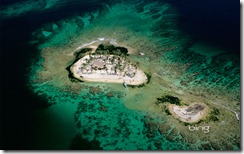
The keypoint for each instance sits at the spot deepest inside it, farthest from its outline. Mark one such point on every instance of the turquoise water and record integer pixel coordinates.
(105, 119)
(80, 115)
(217, 71)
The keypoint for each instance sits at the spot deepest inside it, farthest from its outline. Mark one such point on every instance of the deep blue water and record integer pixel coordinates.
(213, 21)
(8, 2)
(18, 104)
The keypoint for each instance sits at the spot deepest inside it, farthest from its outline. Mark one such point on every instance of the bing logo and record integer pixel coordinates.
(205, 129)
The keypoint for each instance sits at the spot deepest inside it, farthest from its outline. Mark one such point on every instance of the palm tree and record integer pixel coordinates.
(91, 57)
(112, 60)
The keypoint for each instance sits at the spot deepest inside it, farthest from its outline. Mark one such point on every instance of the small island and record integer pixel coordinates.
(107, 64)
(190, 114)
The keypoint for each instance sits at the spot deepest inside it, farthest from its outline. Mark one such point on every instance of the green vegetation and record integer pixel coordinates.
(149, 76)
(81, 53)
(213, 118)
(194, 123)
(137, 86)
(185, 123)
(213, 115)
(167, 111)
(111, 49)
(70, 75)
(170, 99)
(215, 111)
